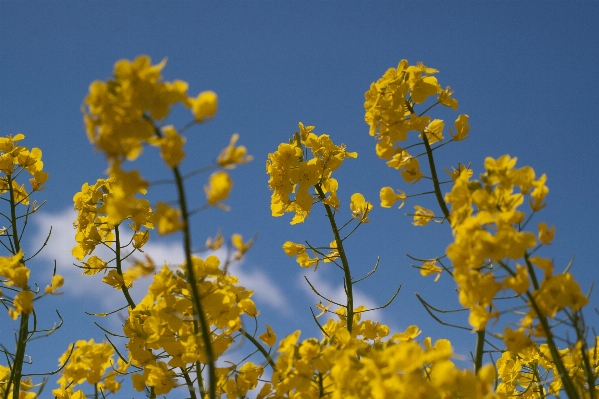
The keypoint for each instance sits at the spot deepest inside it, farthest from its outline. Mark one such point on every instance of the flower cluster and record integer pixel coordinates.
(119, 112)
(525, 370)
(181, 332)
(487, 228)
(292, 173)
(13, 158)
(170, 328)
(103, 206)
(366, 364)
(88, 361)
(162, 331)
(101, 209)
(14, 275)
(390, 114)
(6, 388)
(360, 209)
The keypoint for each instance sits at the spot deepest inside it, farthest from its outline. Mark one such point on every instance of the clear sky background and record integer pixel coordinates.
(525, 73)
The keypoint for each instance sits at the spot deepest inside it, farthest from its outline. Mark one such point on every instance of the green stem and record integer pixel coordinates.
(557, 359)
(589, 373)
(348, 279)
(189, 383)
(531, 271)
(200, 324)
(431, 163)
(480, 347)
(260, 348)
(119, 269)
(203, 324)
(198, 367)
(541, 391)
(17, 371)
(480, 335)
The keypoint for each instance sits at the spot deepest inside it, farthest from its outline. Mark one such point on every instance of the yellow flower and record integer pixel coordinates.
(546, 233)
(422, 216)
(7, 164)
(38, 180)
(7, 144)
(400, 159)
(360, 208)
(292, 248)
(249, 307)
(518, 282)
(242, 247)
(204, 106)
(434, 131)
(446, 99)
(408, 335)
(23, 304)
(304, 260)
(218, 189)
(462, 128)
(167, 219)
(411, 172)
(216, 242)
(57, 282)
(31, 161)
(93, 265)
(333, 253)
(115, 280)
(455, 173)
(160, 377)
(20, 195)
(423, 88)
(516, 341)
(232, 156)
(559, 292)
(171, 146)
(268, 337)
(140, 238)
(429, 268)
(140, 268)
(538, 194)
(389, 197)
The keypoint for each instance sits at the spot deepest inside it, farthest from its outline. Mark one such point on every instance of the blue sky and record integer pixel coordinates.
(526, 74)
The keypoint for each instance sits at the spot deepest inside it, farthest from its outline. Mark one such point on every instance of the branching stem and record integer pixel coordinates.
(346, 271)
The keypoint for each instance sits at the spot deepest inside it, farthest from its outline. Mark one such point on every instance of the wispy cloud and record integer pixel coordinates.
(266, 291)
(62, 241)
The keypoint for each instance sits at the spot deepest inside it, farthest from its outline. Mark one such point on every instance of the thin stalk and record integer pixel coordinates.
(557, 359)
(431, 163)
(119, 269)
(589, 374)
(480, 335)
(189, 383)
(540, 385)
(17, 370)
(568, 385)
(200, 379)
(200, 324)
(531, 271)
(348, 279)
(260, 348)
(480, 347)
(195, 294)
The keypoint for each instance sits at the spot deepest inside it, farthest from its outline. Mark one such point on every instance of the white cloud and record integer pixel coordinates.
(265, 290)
(62, 241)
